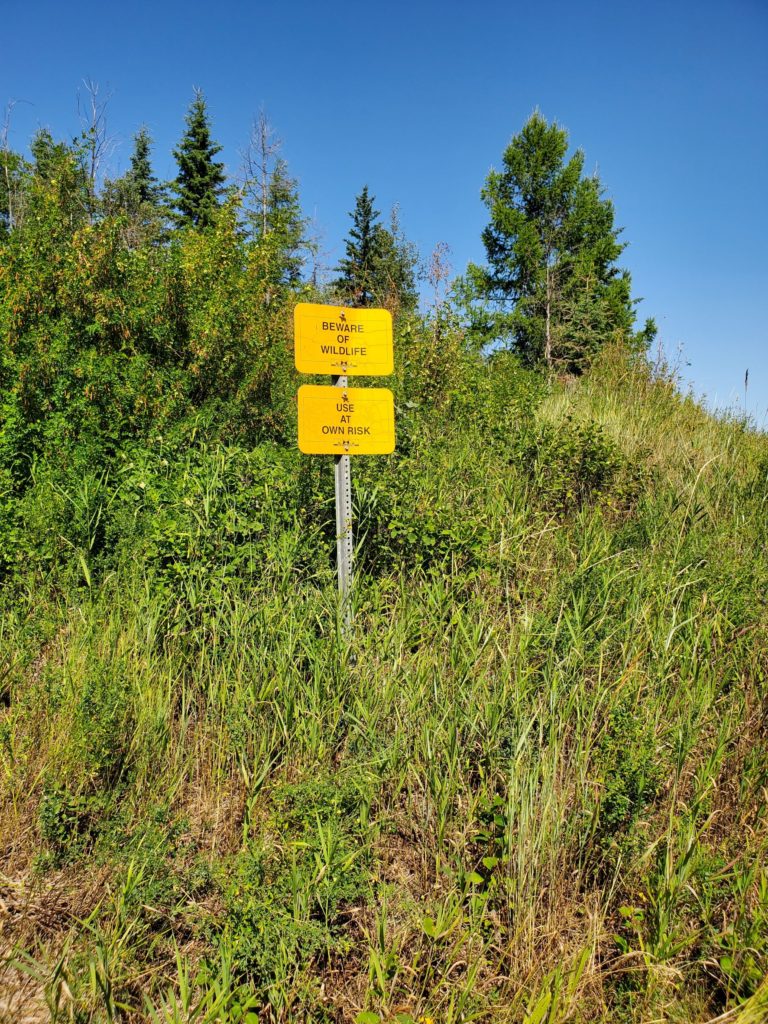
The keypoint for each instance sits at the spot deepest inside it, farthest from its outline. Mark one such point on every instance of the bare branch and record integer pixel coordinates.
(258, 164)
(13, 194)
(92, 111)
(439, 272)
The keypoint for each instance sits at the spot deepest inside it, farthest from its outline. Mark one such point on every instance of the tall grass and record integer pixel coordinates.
(531, 788)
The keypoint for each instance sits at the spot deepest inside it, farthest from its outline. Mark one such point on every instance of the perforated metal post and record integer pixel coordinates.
(344, 539)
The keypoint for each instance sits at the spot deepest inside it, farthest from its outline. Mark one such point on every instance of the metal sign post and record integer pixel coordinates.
(339, 420)
(344, 538)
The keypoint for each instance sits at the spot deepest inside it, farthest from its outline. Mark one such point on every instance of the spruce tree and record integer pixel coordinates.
(356, 270)
(145, 184)
(200, 180)
(284, 224)
(552, 247)
(379, 265)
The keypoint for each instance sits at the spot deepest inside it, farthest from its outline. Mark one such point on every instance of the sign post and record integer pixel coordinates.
(344, 538)
(339, 420)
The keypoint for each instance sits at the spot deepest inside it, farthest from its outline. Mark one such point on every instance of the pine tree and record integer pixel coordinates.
(552, 248)
(201, 178)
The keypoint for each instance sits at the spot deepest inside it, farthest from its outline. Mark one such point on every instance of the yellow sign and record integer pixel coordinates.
(339, 340)
(346, 421)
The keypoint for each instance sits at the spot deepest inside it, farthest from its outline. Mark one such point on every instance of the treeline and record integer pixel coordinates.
(133, 310)
(551, 288)
(379, 264)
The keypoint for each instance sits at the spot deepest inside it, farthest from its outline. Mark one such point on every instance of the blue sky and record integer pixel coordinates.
(669, 102)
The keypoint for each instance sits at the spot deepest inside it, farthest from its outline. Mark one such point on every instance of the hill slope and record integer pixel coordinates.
(532, 788)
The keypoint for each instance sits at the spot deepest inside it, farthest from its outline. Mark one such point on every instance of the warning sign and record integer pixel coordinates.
(342, 341)
(346, 421)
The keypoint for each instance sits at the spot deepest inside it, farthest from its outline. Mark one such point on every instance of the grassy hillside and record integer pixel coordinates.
(532, 788)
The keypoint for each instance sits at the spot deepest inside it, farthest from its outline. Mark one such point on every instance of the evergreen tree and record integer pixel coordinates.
(356, 270)
(379, 265)
(200, 180)
(552, 248)
(137, 196)
(145, 184)
(284, 224)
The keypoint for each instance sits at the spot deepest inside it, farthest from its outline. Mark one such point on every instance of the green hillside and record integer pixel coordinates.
(531, 787)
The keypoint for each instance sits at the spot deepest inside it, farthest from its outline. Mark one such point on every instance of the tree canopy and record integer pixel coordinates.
(200, 181)
(378, 267)
(148, 189)
(551, 279)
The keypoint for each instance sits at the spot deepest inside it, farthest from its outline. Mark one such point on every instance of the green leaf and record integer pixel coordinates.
(540, 1009)
(490, 862)
(474, 878)
(635, 913)
(84, 567)
(428, 925)
(367, 1017)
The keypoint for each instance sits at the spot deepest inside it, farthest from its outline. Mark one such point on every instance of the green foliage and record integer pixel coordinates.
(552, 249)
(379, 264)
(200, 180)
(569, 465)
(68, 823)
(294, 887)
(137, 200)
(209, 994)
(283, 236)
(143, 181)
(12, 168)
(529, 785)
(356, 269)
(631, 772)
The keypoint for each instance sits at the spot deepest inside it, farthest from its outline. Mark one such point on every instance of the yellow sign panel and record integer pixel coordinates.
(346, 421)
(339, 340)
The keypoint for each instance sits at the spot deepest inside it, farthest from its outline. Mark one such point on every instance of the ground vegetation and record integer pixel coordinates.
(528, 788)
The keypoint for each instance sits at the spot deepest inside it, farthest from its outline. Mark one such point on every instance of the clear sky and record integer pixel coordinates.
(668, 100)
